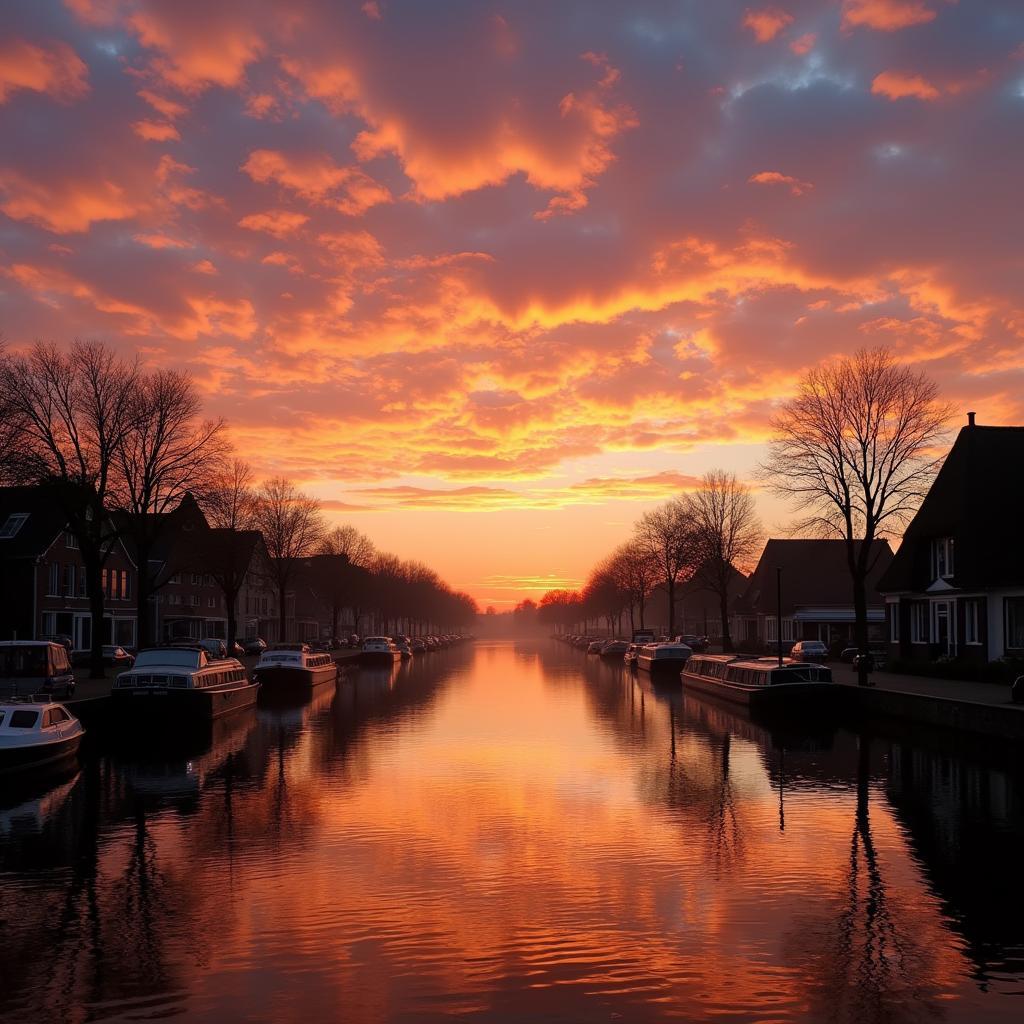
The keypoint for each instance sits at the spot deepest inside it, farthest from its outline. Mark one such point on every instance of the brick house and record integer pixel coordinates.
(817, 594)
(42, 576)
(955, 588)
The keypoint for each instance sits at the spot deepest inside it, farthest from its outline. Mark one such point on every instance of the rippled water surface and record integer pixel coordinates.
(512, 832)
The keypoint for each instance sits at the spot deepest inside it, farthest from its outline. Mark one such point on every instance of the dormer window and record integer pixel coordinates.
(942, 558)
(14, 522)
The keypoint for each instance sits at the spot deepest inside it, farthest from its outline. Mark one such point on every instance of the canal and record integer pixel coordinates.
(510, 832)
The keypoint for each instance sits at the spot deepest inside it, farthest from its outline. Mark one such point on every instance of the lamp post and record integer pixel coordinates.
(778, 609)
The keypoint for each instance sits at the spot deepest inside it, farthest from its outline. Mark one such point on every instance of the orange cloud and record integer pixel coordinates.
(896, 86)
(803, 44)
(795, 185)
(317, 179)
(767, 22)
(54, 69)
(66, 205)
(274, 222)
(886, 15)
(155, 131)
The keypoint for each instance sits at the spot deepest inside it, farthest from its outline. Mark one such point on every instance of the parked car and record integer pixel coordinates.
(697, 644)
(35, 666)
(214, 648)
(114, 656)
(809, 650)
(256, 646)
(847, 654)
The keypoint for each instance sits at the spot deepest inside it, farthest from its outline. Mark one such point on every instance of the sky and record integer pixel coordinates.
(492, 279)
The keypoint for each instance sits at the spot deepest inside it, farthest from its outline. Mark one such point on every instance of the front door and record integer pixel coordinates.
(943, 632)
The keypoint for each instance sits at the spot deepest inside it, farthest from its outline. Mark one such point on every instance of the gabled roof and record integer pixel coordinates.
(814, 573)
(977, 498)
(45, 521)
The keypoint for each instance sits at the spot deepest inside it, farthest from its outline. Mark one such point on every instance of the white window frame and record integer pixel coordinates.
(12, 524)
(894, 623)
(70, 589)
(55, 579)
(943, 550)
(920, 623)
(972, 622)
(70, 541)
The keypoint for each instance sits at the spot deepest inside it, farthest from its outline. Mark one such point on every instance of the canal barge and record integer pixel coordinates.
(379, 650)
(184, 681)
(663, 661)
(757, 682)
(36, 734)
(294, 670)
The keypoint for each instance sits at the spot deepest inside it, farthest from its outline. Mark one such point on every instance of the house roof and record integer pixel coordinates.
(45, 521)
(814, 573)
(976, 498)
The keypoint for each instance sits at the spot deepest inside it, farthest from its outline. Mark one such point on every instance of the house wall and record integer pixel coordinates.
(16, 604)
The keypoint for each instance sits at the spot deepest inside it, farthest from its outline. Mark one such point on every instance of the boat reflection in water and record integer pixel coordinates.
(507, 832)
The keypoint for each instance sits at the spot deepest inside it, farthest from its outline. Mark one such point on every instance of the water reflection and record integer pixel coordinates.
(513, 832)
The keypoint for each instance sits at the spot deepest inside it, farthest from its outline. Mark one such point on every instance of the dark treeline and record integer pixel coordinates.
(118, 447)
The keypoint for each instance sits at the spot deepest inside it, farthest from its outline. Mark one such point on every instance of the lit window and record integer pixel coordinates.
(13, 524)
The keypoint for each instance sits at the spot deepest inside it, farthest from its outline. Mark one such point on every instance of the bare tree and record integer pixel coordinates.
(729, 534)
(74, 410)
(855, 450)
(292, 527)
(348, 541)
(168, 453)
(230, 549)
(637, 575)
(356, 549)
(666, 536)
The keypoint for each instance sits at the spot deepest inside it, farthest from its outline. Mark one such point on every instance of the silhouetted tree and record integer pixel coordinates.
(855, 451)
(667, 535)
(729, 535)
(291, 525)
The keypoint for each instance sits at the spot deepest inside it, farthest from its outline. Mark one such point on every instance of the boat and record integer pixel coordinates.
(631, 655)
(757, 681)
(404, 648)
(184, 680)
(294, 669)
(663, 660)
(615, 650)
(35, 734)
(379, 650)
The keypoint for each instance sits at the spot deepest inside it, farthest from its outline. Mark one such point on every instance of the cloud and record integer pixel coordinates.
(156, 131)
(886, 15)
(795, 185)
(896, 86)
(52, 68)
(767, 22)
(278, 223)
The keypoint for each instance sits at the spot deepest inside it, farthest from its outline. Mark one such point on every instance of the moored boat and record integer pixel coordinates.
(665, 661)
(36, 734)
(756, 681)
(294, 668)
(379, 650)
(184, 680)
(631, 655)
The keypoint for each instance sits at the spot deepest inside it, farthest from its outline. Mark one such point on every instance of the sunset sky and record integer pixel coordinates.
(491, 279)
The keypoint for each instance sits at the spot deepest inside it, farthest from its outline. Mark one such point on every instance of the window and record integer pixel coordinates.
(70, 541)
(82, 592)
(175, 579)
(23, 719)
(211, 602)
(174, 598)
(1014, 623)
(919, 622)
(53, 587)
(894, 622)
(942, 558)
(197, 579)
(207, 580)
(126, 585)
(12, 524)
(972, 634)
(69, 581)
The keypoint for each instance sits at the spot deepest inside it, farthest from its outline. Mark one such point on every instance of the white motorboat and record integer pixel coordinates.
(36, 734)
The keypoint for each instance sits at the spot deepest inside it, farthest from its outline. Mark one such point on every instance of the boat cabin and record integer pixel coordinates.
(756, 672)
(181, 667)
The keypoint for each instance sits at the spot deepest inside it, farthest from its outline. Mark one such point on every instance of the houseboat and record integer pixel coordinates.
(665, 661)
(36, 734)
(379, 650)
(615, 650)
(756, 681)
(294, 669)
(184, 680)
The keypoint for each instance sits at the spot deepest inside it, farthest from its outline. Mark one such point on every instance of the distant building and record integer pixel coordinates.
(817, 594)
(698, 608)
(956, 586)
(42, 576)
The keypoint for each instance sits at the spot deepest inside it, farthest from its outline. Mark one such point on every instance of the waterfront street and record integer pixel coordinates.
(512, 830)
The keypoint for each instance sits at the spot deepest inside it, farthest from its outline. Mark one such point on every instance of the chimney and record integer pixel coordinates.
(970, 419)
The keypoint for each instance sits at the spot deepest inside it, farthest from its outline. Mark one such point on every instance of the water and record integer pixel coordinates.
(512, 832)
